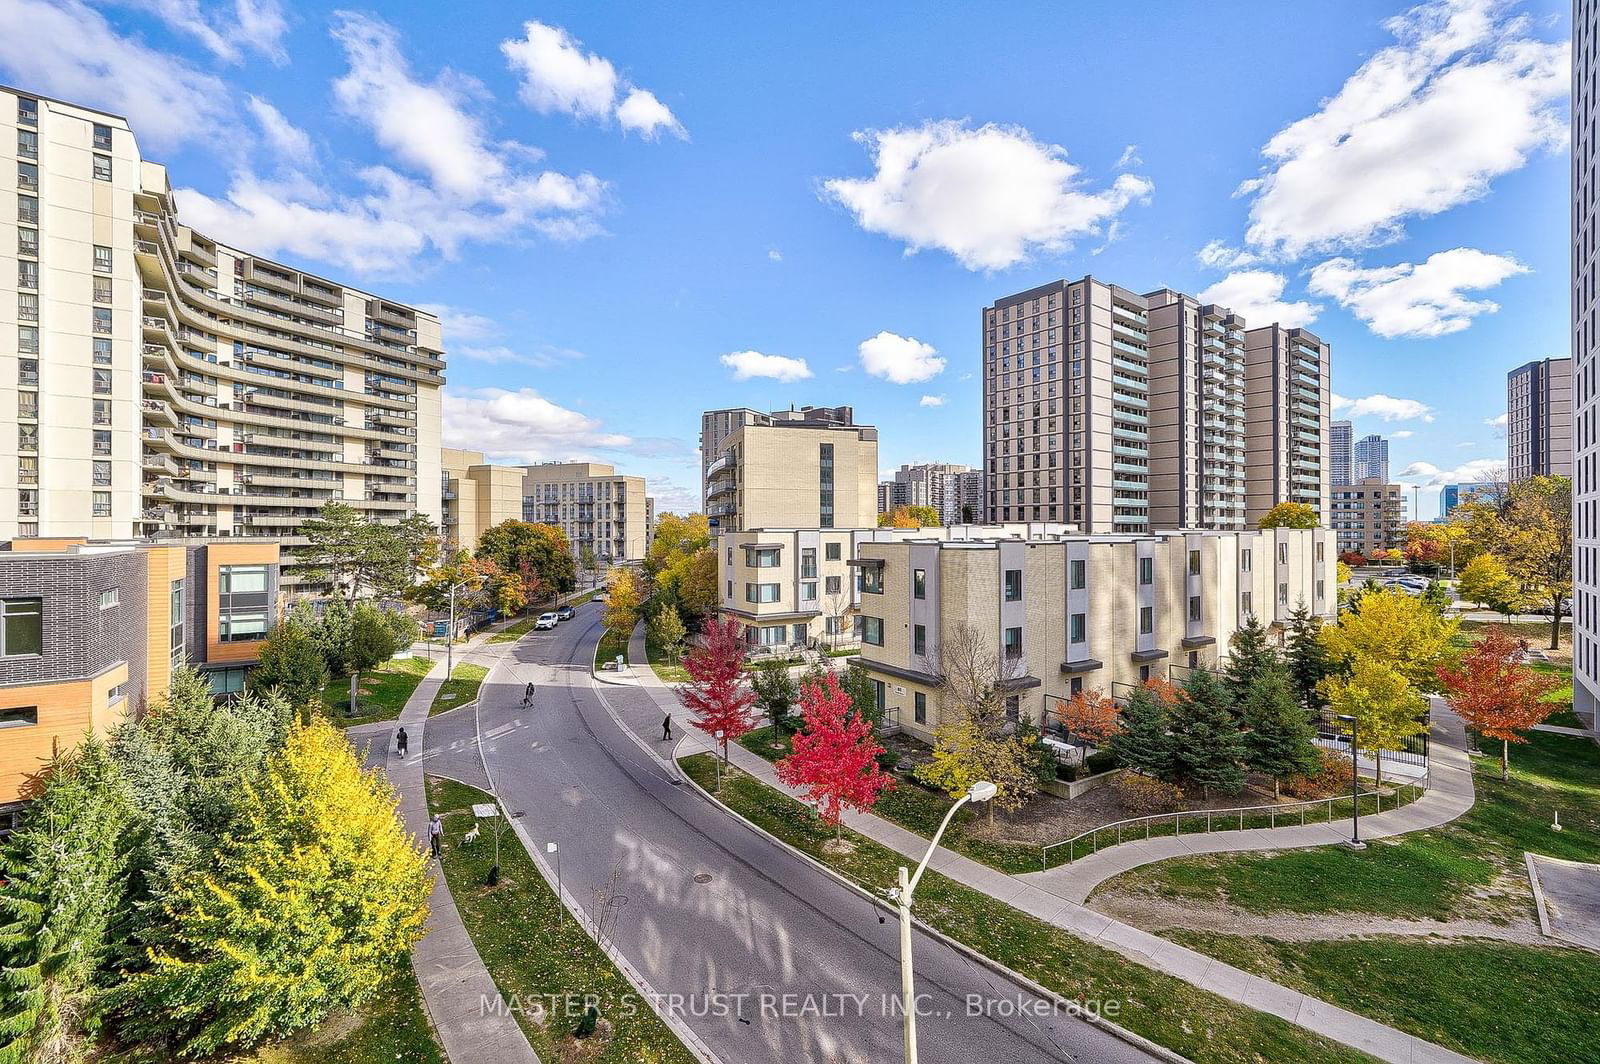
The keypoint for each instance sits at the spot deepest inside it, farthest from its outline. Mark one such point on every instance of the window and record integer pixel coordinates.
(28, 406)
(919, 639)
(116, 694)
(27, 306)
(19, 716)
(28, 502)
(870, 580)
(226, 681)
(1013, 643)
(102, 259)
(27, 111)
(830, 551)
(761, 592)
(765, 558)
(919, 583)
(1080, 574)
(102, 412)
(28, 438)
(102, 381)
(1321, 592)
(102, 472)
(102, 352)
(28, 242)
(1147, 571)
(27, 144)
(808, 563)
(28, 339)
(1194, 563)
(27, 469)
(872, 631)
(21, 627)
(102, 137)
(1283, 594)
(28, 177)
(1318, 550)
(102, 291)
(237, 627)
(1245, 605)
(919, 703)
(1283, 553)
(110, 597)
(1244, 560)
(1013, 585)
(177, 622)
(1147, 620)
(102, 168)
(1194, 607)
(102, 504)
(28, 209)
(27, 274)
(102, 442)
(1079, 630)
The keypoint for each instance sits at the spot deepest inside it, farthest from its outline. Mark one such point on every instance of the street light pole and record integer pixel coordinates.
(450, 636)
(1354, 842)
(981, 791)
(561, 905)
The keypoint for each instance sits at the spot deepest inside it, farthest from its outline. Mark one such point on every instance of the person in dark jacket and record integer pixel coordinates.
(666, 728)
(400, 742)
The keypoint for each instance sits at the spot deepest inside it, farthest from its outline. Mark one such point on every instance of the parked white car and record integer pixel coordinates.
(545, 622)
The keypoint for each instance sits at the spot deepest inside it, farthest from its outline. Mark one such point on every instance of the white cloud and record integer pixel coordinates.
(1498, 421)
(774, 255)
(1464, 96)
(67, 50)
(290, 142)
(461, 325)
(255, 24)
(470, 189)
(559, 77)
(750, 364)
(1129, 157)
(522, 426)
(990, 196)
(1427, 474)
(1405, 434)
(1258, 296)
(1420, 300)
(1383, 407)
(931, 400)
(1219, 256)
(899, 359)
(1469, 443)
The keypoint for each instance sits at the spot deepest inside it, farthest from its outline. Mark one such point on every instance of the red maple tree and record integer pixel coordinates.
(1496, 694)
(1090, 716)
(717, 693)
(835, 756)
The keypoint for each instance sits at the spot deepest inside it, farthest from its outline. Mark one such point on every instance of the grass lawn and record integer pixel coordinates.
(1490, 1000)
(384, 691)
(1428, 874)
(536, 956)
(459, 689)
(391, 1029)
(610, 646)
(1200, 1025)
(657, 657)
(515, 631)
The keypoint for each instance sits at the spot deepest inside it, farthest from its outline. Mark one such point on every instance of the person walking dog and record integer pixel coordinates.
(666, 728)
(400, 742)
(435, 833)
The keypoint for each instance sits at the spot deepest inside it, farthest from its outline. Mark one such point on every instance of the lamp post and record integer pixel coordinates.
(1354, 842)
(561, 905)
(981, 791)
(719, 759)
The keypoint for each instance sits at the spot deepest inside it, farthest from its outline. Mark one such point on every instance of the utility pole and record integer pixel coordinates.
(450, 636)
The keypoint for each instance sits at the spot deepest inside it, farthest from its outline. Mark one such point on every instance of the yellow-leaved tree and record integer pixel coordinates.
(312, 902)
(1387, 708)
(1391, 626)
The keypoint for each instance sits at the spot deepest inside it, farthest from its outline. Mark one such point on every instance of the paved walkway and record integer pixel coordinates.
(455, 984)
(1558, 729)
(1030, 896)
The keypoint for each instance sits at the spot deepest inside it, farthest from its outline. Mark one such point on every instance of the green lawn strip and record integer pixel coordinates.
(1422, 875)
(536, 956)
(610, 646)
(459, 689)
(515, 631)
(1200, 1025)
(1491, 1000)
(665, 671)
(384, 692)
(392, 1028)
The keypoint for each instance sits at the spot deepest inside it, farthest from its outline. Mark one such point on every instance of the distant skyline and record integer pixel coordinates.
(628, 215)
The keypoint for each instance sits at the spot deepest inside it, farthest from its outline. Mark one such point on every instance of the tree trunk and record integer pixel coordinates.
(1505, 761)
(1377, 778)
(1555, 624)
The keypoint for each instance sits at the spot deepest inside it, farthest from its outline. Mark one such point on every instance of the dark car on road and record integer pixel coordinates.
(566, 613)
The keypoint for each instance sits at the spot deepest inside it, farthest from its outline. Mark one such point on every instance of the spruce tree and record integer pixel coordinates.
(1249, 655)
(1206, 745)
(1308, 659)
(1280, 740)
(1143, 743)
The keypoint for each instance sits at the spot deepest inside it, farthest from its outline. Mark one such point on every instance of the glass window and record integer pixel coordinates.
(27, 469)
(1147, 570)
(28, 209)
(19, 716)
(1244, 560)
(1245, 604)
(808, 563)
(110, 597)
(102, 504)
(102, 137)
(808, 591)
(226, 681)
(1147, 620)
(1013, 585)
(1194, 563)
(102, 168)
(1194, 607)
(831, 551)
(102, 259)
(1283, 552)
(102, 472)
(766, 558)
(761, 592)
(27, 306)
(920, 707)
(102, 442)
(27, 177)
(241, 579)
(102, 292)
(872, 631)
(870, 579)
(1080, 627)
(102, 352)
(28, 406)
(27, 111)
(919, 583)
(236, 627)
(27, 144)
(27, 274)
(1013, 642)
(1283, 594)
(28, 339)
(28, 242)
(28, 438)
(21, 627)
(834, 585)
(1080, 574)
(102, 381)
(177, 622)
(102, 411)
(919, 639)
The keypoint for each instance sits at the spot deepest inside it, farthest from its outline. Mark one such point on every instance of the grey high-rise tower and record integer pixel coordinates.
(1340, 456)
(1539, 419)
(1585, 349)
(1371, 459)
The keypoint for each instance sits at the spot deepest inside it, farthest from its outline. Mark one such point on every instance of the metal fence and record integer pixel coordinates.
(1238, 818)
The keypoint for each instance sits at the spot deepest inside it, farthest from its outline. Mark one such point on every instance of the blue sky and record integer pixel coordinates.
(630, 214)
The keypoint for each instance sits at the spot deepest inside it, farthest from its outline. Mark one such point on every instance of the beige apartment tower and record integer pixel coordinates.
(1368, 515)
(598, 508)
(1539, 420)
(1122, 412)
(807, 468)
(1288, 401)
(165, 384)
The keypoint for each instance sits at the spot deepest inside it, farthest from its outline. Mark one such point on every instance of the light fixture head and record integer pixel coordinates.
(982, 791)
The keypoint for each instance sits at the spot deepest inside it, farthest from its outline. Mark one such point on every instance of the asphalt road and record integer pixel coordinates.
(804, 968)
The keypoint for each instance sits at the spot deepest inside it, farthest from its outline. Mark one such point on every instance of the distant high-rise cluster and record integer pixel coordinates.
(1371, 459)
(955, 492)
(1341, 454)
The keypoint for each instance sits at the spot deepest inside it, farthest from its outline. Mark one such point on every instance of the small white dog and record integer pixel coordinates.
(472, 836)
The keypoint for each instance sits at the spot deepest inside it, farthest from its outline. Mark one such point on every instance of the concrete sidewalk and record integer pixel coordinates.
(456, 986)
(1024, 893)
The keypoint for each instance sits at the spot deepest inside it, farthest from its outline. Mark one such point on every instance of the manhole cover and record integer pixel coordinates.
(703, 877)
(519, 814)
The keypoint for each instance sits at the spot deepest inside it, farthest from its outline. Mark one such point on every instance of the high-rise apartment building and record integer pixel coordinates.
(1586, 349)
(808, 468)
(1368, 515)
(598, 508)
(1117, 411)
(937, 485)
(1539, 419)
(1341, 454)
(165, 384)
(1371, 459)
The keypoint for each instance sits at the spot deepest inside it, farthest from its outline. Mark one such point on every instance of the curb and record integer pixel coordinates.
(1066, 1004)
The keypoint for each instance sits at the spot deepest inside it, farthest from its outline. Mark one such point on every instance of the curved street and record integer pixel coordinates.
(807, 970)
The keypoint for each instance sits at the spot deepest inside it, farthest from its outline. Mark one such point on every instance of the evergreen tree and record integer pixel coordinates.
(332, 636)
(1206, 745)
(63, 871)
(1308, 661)
(1144, 744)
(290, 664)
(371, 641)
(776, 694)
(1249, 655)
(1280, 740)
(857, 683)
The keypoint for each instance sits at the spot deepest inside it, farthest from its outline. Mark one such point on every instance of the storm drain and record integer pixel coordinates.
(703, 877)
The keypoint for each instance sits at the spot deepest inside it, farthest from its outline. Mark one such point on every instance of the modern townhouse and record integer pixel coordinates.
(165, 384)
(1061, 612)
(90, 632)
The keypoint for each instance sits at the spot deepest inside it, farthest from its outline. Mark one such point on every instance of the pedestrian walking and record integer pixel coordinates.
(527, 693)
(666, 728)
(435, 833)
(400, 742)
